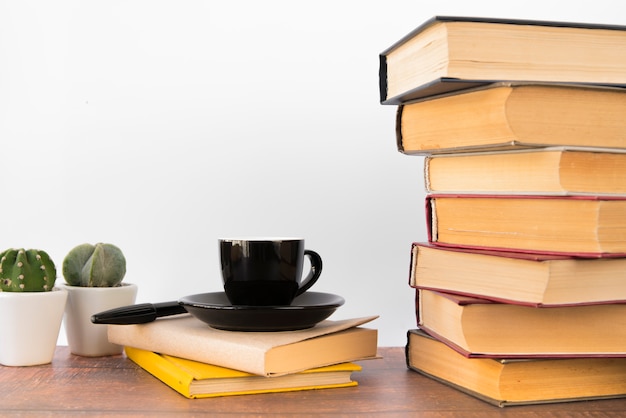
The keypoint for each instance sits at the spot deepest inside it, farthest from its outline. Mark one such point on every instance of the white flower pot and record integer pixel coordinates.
(31, 322)
(84, 337)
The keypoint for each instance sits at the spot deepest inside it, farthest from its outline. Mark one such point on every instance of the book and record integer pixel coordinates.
(547, 171)
(448, 53)
(586, 226)
(516, 277)
(261, 353)
(194, 379)
(509, 116)
(508, 382)
(480, 327)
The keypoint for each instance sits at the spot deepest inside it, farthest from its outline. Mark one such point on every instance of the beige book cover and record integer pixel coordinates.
(262, 353)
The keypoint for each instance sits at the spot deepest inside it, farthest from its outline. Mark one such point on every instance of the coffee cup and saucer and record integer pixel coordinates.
(263, 287)
(263, 291)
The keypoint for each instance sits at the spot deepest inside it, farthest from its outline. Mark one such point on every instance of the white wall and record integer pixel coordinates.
(160, 126)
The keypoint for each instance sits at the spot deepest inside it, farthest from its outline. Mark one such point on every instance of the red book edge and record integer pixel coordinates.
(503, 356)
(530, 255)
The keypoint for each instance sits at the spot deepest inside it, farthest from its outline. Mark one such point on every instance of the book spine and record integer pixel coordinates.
(382, 77)
(427, 184)
(431, 220)
(399, 139)
(160, 368)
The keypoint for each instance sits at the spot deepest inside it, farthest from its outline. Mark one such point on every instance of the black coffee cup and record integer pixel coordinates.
(266, 271)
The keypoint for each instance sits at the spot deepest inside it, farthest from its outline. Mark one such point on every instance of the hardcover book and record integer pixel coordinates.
(448, 54)
(509, 116)
(508, 382)
(194, 379)
(545, 171)
(483, 328)
(585, 226)
(531, 279)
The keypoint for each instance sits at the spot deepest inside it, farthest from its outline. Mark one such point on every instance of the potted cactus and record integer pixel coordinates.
(31, 307)
(93, 279)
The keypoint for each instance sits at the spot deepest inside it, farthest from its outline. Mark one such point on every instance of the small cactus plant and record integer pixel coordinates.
(100, 265)
(26, 271)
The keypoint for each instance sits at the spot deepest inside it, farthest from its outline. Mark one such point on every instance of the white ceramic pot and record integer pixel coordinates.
(84, 337)
(30, 326)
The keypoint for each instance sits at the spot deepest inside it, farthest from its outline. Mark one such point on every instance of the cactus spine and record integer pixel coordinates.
(100, 265)
(26, 271)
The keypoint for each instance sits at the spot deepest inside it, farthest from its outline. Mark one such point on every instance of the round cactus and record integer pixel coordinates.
(26, 271)
(100, 265)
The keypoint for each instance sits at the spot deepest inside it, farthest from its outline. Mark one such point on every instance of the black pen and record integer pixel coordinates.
(138, 314)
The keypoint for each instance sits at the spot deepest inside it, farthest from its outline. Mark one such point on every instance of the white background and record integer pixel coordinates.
(160, 126)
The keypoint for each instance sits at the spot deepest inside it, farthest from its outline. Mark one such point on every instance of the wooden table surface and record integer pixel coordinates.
(115, 386)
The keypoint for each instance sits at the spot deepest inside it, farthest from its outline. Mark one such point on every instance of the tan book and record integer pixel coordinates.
(546, 171)
(586, 226)
(507, 382)
(516, 277)
(451, 53)
(505, 116)
(479, 327)
(261, 353)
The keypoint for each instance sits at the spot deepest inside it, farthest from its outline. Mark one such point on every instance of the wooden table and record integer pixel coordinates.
(114, 386)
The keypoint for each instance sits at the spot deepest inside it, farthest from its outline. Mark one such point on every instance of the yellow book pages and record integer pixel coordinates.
(587, 226)
(201, 371)
(514, 116)
(543, 171)
(194, 379)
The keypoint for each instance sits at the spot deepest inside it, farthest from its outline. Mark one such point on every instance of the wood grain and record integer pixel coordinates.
(114, 386)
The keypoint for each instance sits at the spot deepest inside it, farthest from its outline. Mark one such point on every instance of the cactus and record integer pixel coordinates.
(26, 271)
(100, 265)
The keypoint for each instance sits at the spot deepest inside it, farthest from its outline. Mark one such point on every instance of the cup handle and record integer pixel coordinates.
(314, 273)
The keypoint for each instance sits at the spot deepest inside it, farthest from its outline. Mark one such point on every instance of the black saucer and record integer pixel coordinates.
(305, 311)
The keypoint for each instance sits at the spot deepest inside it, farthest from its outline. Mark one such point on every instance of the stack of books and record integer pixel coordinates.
(520, 287)
(199, 361)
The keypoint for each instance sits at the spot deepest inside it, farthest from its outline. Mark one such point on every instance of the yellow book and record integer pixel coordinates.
(194, 379)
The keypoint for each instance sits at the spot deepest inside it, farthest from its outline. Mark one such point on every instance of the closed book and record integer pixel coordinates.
(508, 382)
(546, 171)
(509, 116)
(449, 53)
(194, 379)
(586, 226)
(480, 327)
(531, 279)
(261, 353)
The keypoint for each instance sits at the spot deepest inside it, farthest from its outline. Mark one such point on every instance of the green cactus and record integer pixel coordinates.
(26, 271)
(100, 265)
